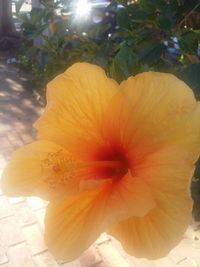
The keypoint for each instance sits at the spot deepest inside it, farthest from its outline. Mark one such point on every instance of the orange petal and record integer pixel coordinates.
(75, 223)
(77, 100)
(130, 196)
(167, 174)
(37, 169)
(151, 110)
(154, 235)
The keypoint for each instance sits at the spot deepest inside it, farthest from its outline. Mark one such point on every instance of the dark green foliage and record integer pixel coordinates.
(191, 75)
(129, 41)
(189, 42)
(195, 189)
(124, 63)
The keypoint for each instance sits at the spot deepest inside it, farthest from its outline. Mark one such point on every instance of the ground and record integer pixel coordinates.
(21, 219)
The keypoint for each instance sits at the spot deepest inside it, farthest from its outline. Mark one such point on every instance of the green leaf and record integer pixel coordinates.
(124, 64)
(123, 19)
(191, 75)
(189, 42)
(195, 192)
(149, 51)
(197, 172)
(152, 6)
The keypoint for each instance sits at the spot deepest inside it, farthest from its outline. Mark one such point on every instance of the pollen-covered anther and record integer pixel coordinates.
(57, 169)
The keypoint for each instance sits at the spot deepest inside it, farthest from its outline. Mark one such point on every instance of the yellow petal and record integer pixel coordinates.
(37, 169)
(151, 110)
(152, 236)
(75, 223)
(130, 196)
(77, 100)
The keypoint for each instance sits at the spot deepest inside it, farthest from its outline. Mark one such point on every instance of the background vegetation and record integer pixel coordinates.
(130, 37)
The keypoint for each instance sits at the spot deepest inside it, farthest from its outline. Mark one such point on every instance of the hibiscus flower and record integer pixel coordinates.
(114, 158)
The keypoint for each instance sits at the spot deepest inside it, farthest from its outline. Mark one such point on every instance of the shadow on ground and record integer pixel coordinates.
(18, 107)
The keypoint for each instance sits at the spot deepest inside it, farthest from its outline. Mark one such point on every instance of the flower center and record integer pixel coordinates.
(58, 169)
(114, 163)
(115, 168)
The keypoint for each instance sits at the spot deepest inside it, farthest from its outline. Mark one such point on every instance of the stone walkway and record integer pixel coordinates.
(21, 219)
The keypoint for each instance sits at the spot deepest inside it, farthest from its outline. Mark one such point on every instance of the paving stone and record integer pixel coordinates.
(23, 213)
(26, 137)
(23, 131)
(103, 264)
(10, 232)
(142, 263)
(19, 126)
(186, 263)
(103, 238)
(111, 256)
(6, 265)
(164, 262)
(188, 248)
(129, 259)
(1, 171)
(45, 260)
(5, 144)
(34, 238)
(90, 257)
(7, 154)
(20, 256)
(16, 200)
(137, 262)
(193, 234)
(40, 214)
(3, 254)
(195, 264)
(5, 209)
(36, 203)
(4, 127)
(14, 139)
(2, 161)
(6, 148)
(175, 256)
(75, 263)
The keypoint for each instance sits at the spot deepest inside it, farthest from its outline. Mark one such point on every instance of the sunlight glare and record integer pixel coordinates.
(83, 8)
